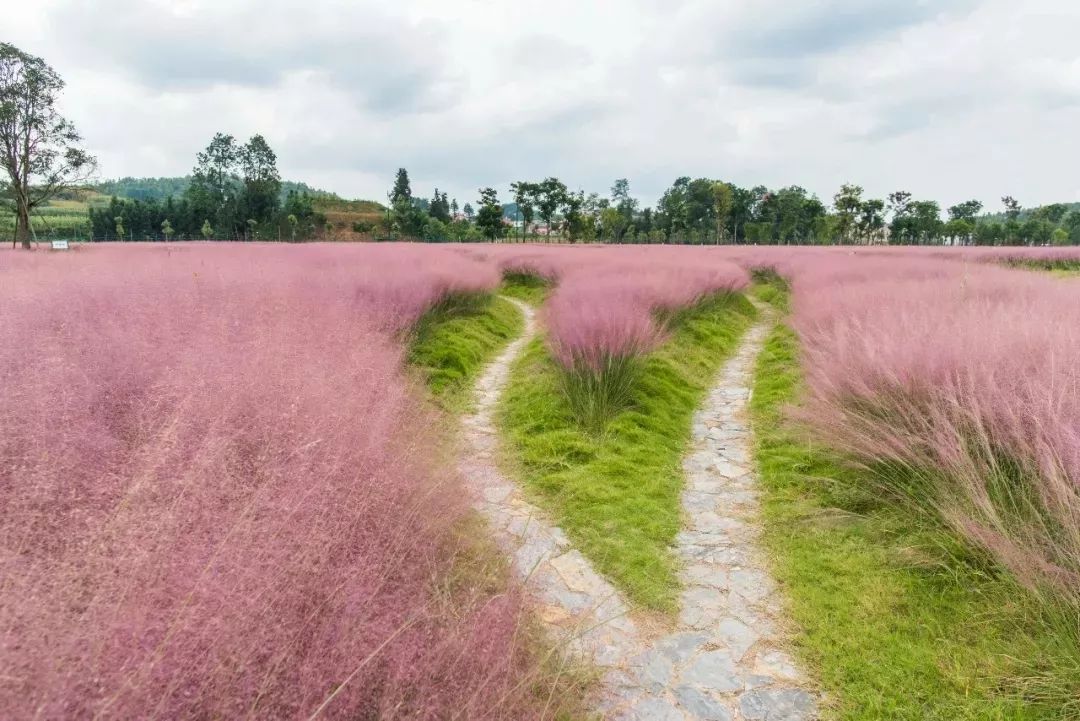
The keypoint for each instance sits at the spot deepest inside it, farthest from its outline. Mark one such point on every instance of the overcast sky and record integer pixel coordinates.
(950, 99)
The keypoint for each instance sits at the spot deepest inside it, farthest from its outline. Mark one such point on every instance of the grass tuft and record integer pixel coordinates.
(617, 493)
(899, 622)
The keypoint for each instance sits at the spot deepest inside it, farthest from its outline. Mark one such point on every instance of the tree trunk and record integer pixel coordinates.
(22, 226)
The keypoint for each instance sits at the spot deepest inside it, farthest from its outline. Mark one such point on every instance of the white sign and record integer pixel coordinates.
(59, 245)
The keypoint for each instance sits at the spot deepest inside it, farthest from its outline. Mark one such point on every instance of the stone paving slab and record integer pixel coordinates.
(724, 660)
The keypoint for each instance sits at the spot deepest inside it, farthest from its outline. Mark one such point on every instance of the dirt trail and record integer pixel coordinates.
(723, 660)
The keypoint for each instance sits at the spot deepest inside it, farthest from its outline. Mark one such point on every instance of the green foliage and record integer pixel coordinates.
(527, 287)
(617, 494)
(39, 148)
(453, 341)
(895, 623)
(490, 217)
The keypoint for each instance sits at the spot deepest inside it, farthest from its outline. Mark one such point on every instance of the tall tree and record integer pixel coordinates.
(262, 182)
(439, 209)
(550, 194)
(723, 201)
(926, 225)
(215, 189)
(490, 217)
(574, 220)
(899, 203)
(40, 148)
(524, 196)
(848, 203)
(402, 190)
(871, 219)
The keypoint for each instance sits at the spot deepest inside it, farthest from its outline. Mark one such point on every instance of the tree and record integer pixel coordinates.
(118, 225)
(1053, 212)
(215, 190)
(957, 230)
(524, 196)
(207, 230)
(468, 212)
(899, 204)
(439, 209)
(625, 205)
(166, 229)
(926, 225)
(407, 216)
(848, 203)
(1012, 207)
(39, 148)
(965, 211)
(454, 208)
(610, 221)
(490, 218)
(262, 182)
(573, 219)
(1060, 236)
(401, 191)
(292, 221)
(871, 220)
(722, 202)
(550, 194)
(1071, 223)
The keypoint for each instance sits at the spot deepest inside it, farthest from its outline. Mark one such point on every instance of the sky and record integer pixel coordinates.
(950, 100)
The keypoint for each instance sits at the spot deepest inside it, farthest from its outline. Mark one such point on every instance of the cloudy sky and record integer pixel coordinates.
(950, 99)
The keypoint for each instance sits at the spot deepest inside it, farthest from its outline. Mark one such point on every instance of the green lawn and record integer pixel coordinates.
(896, 624)
(617, 494)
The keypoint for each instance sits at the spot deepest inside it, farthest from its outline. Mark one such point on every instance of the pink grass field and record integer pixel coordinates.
(218, 483)
(218, 492)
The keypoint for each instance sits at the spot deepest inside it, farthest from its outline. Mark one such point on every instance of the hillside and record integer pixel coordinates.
(67, 215)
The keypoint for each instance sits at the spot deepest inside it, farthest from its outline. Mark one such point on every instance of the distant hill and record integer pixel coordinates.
(163, 188)
(345, 214)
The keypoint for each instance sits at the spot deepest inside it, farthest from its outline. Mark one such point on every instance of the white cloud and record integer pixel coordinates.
(956, 99)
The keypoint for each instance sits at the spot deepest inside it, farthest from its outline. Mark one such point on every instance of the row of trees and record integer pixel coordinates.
(234, 193)
(703, 210)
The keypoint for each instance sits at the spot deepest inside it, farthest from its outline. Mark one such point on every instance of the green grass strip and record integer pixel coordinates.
(617, 494)
(893, 623)
(532, 289)
(454, 341)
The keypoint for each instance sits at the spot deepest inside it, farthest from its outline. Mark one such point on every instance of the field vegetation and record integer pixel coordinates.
(899, 621)
(224, 496)
(219, 497)
(597, 415)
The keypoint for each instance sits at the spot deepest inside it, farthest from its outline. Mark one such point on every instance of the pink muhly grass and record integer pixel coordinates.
(606, 312)
(958, 384)
(218, 500)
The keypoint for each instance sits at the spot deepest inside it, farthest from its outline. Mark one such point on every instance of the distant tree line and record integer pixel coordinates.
(703, 210)
(234, 193)
(174, 187)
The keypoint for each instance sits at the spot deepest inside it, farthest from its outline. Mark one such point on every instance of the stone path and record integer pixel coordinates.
(724, 660)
